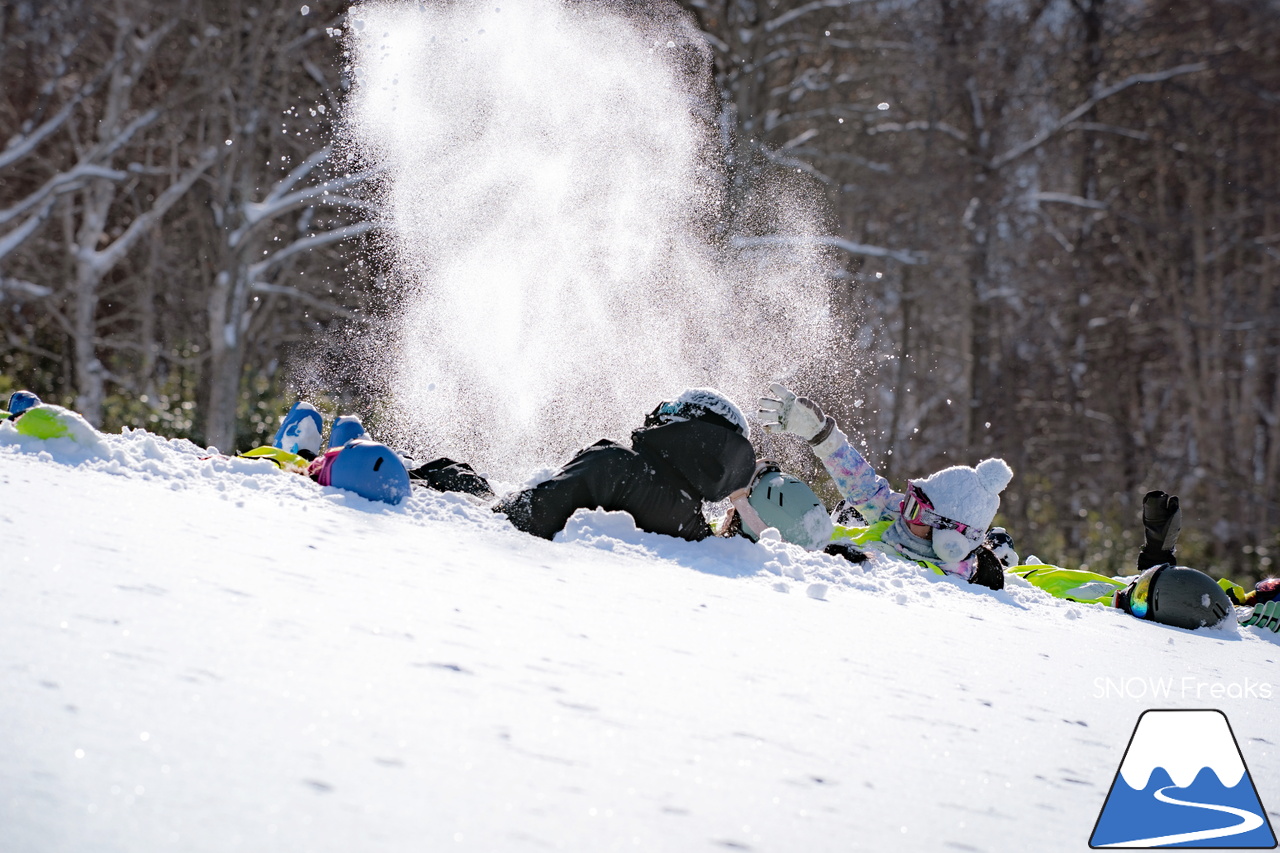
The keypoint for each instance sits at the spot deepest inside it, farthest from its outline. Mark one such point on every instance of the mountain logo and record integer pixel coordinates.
(1183, 783)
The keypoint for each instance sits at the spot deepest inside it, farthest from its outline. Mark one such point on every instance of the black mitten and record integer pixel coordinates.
(844, 549)
(844, 514)
(1161, 522)
(445, 475)
(990, 571)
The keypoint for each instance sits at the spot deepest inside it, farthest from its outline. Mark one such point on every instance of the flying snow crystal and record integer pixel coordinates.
(558, 208)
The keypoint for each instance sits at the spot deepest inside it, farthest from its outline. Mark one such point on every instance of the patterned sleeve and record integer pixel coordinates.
(860, 485)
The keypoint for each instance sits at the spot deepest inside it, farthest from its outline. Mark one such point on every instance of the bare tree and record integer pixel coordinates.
(95, 140)
(279, 196)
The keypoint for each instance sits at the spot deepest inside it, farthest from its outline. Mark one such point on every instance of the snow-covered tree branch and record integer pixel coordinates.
(859, 249)
(1110, 91)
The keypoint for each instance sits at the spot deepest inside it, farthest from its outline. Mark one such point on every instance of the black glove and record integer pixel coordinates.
(1161, 522)
(844, 514)
(990, 571)
(846, 550)
(445, 475)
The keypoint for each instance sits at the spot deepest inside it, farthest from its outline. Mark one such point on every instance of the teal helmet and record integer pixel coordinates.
(789, 505)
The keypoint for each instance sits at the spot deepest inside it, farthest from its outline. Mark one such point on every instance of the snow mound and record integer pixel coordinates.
(206, 653)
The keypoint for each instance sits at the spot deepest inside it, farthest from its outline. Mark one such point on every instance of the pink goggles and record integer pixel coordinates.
(917, 509)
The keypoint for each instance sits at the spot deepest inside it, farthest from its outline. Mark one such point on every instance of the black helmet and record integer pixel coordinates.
(1176, 595)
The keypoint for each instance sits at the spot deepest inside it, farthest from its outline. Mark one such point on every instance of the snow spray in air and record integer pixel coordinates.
(557, 210)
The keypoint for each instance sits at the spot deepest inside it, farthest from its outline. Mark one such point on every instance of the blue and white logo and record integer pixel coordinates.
(1183, 783)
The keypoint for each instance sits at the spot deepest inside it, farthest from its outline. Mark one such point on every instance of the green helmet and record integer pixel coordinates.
(788, 504)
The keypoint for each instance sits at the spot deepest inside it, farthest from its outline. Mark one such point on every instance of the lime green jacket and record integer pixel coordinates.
(1071, 584)
(283, 459)
(45, 421)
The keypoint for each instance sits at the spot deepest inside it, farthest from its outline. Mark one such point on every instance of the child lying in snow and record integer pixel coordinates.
(690, 450)
(1162, 591)
(355, 462)
(963, 501)
(940, 522)
(28, 415)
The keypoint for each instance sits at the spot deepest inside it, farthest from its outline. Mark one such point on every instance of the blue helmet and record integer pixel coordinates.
(20, 401)
(371, 470)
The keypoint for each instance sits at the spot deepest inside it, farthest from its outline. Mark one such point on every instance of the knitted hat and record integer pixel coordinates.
(968, 495)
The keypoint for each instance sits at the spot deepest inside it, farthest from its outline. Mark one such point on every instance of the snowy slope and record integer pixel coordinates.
(210, 655)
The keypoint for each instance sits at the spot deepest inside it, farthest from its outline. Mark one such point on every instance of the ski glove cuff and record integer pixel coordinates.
(829, 440)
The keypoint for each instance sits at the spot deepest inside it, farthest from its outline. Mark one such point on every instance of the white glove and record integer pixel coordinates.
(785, 412)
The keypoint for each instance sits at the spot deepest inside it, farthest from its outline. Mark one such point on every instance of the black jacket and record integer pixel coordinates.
(661, 480)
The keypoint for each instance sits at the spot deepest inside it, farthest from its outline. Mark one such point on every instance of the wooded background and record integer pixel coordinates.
(1058, 226)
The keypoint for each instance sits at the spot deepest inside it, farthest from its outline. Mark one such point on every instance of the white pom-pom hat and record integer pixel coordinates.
(968, 495)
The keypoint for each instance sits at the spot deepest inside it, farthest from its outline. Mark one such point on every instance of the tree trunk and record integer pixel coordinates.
(88, 369)
(226, 357)
(90, 379)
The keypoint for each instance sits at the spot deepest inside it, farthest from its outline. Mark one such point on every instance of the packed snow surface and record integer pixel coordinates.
(208, 654)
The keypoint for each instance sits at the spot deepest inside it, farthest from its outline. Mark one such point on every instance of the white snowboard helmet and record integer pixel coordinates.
(787, 504)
